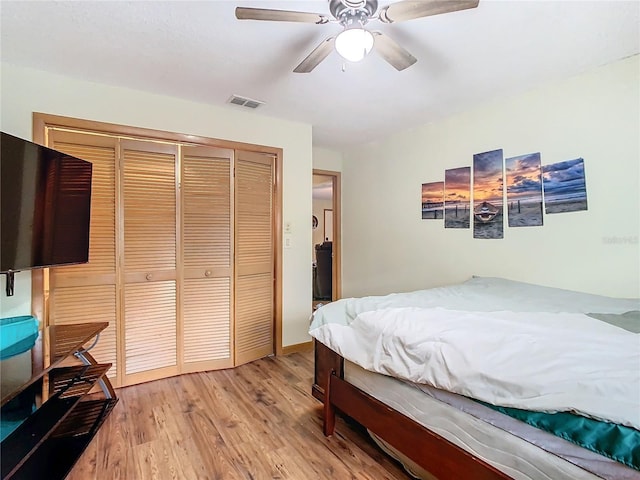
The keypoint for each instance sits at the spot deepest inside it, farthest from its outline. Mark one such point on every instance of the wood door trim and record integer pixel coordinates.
(42, 120)
(277, 254)
(336, 270)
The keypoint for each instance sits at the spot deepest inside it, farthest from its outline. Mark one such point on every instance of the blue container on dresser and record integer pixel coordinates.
(17, 335)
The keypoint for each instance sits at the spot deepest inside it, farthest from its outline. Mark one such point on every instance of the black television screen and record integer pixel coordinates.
(45, 206)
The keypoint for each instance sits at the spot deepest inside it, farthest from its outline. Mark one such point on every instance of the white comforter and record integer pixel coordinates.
(535, 361)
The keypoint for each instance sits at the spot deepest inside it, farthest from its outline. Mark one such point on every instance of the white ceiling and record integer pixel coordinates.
(199, 51)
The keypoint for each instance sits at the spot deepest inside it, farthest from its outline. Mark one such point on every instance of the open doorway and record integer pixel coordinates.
(326, 236)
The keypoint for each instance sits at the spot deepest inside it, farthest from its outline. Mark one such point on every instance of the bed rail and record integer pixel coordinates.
(434, 453)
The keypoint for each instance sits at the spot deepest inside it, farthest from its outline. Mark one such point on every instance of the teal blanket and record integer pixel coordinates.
(613, 441)
(617, 442)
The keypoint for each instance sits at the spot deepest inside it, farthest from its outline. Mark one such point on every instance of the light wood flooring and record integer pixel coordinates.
(256, 422)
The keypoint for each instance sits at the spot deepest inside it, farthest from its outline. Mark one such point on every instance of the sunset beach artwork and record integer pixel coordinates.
(488, 198)
(524, 190)
(432, 200)
(565, 189)
(457, 197)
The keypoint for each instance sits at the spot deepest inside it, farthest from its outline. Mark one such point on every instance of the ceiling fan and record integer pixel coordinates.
(355, 42)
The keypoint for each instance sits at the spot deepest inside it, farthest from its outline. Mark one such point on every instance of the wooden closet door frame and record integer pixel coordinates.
(42, 121)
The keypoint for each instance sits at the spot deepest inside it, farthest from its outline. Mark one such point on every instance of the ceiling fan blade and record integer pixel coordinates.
(318, 55)
(393, 53)
(410, 9)
(243, 13)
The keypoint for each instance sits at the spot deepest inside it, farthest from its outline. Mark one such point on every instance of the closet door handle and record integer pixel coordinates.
(149, 276)
(207, 273)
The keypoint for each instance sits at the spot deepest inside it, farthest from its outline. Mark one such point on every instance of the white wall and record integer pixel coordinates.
(387, 247)
(20, 302)
(327, 159)
(25, 91)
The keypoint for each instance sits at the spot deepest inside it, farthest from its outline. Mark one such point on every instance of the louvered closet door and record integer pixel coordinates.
(254, 309)
(207, 243)
(149, 260)
(87, 292)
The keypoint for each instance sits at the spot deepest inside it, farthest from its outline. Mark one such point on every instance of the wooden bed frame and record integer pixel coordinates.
(434, 453)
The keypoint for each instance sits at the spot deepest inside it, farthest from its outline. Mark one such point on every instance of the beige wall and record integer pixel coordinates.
(25, 91)
(387, 247)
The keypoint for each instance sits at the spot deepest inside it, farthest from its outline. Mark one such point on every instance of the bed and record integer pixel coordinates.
(452, 416)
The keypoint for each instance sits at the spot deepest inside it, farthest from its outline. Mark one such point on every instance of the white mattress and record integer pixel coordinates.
(515, 456)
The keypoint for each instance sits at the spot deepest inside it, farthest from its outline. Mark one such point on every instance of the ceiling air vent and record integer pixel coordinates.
(244, 101)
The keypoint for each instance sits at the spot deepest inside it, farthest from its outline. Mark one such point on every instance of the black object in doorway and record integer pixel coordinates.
(322, 286)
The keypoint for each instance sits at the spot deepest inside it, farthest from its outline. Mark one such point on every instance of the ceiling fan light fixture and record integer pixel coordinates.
(353, 44)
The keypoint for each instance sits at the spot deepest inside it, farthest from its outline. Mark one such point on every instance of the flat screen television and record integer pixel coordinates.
(45, 206)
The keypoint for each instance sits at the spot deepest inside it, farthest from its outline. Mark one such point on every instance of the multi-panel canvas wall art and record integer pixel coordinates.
(488, 203)
(432, 200)
(561, 186)
(457, 197)
(524, 190)
(565, 188)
